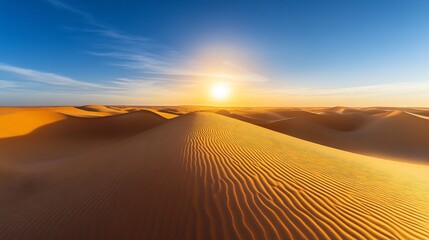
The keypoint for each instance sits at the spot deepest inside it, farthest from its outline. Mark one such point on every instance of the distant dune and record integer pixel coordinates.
(207, 176)
(102, 109)
(53, 135)
(21, 121)
(401, 134)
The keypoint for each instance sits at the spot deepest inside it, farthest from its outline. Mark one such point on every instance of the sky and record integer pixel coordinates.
(268, 53)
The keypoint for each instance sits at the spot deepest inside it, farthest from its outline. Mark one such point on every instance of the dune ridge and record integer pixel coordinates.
(206, 176)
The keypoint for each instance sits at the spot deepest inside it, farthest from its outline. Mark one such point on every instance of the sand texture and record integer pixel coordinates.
(202, 176)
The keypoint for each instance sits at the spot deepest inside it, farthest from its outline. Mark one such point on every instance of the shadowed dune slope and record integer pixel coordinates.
(72, 135)
(293, 113)
(393, 134)
(241, 117)
(206, 176)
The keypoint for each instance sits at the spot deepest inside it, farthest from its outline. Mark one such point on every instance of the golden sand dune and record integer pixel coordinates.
(161, 113)
(103, 109)
(17, 121)
(262, 115)
(59, 135)
(79, 112)
(206, 176)
(20, 121)
(393, 134)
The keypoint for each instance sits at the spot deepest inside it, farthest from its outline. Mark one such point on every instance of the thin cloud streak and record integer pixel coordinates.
(88, 17)
(50, 78)
(121, 46)
(7, 84)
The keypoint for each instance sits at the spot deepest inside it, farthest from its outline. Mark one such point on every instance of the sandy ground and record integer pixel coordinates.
(390, 133)
(129, 173)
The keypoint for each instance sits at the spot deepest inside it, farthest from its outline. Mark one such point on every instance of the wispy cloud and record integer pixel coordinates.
(50, 78)
(128, 48)
(60, 4)
(7, 84)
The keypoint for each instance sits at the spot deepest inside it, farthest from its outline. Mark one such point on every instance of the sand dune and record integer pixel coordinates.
(79, 112)
(260, 114)
(244, 118)
(161, 113)
(393, 134)
(293, 113)
(21, 121)
(103, 109)
(59, 135)
(206, 176)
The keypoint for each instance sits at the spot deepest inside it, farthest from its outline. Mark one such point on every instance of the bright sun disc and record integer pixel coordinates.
(220, 91)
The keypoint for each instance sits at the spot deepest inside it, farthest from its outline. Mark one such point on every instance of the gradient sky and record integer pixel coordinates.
(272, 53)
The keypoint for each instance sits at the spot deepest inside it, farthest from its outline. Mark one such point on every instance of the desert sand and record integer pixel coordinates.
(390, 133)
(129, 173)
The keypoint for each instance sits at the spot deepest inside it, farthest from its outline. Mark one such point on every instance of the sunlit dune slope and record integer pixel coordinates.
(392, 134)
(20, 121)
(161, 113)
(207, 176)
(70, 135)
(17, 121)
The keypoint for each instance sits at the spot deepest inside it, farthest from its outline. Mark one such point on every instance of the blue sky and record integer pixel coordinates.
(290, 53)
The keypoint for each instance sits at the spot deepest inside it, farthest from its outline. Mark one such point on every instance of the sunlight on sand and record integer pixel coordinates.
(109, 172)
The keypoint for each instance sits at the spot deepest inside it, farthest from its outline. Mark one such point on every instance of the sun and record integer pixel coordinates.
(220, 91)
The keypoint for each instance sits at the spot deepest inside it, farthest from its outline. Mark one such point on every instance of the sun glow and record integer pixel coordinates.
(220, 91)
